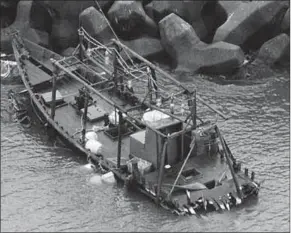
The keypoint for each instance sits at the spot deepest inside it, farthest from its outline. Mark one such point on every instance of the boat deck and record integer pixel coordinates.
(69, 117)
(208, 168)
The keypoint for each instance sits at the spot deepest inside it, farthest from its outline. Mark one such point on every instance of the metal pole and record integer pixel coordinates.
(150, 85)
(182, 146)
(153, 72)
(115, 63)
(97, 64)
(194, 110)
(185, 161)
(161, 171)
(72, 75)
(119, 139)
(54, 90)
(229, 164)
(81, 39)
(166, 75)
(85, 115)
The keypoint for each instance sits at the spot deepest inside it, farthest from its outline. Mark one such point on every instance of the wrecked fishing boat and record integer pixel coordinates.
(131, 118)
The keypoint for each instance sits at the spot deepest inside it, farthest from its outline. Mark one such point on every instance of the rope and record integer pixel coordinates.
(185, 161)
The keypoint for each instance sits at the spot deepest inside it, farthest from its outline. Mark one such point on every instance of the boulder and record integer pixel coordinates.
(163, 8)
(7, 17)
(190, 53)
(21, 23)
(96, 25)
(145, 2)
(229, 6)
(37, 36)
(285, 26)
(187, 9)
(190, 11)
(130, 21)
(41, 18)
(70, 10)
(64, 34)
(275, 50)
(213, 16)
(8, 3)
(251, 24)
(149, 10)
(8, 12)
(150, 48)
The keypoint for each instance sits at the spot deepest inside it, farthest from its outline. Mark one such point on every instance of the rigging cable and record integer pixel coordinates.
(100, 9)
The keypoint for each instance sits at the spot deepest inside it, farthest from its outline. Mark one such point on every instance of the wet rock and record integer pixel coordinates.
(150, 48)
(190, 11)
(229, 6)
(68, 52)
(41, 18)
(184, 46)
(8, 3)
(213, 17)
(64, 35)
(145, 2)
(274, 51)
(70, 10)
(96, 25)
(37, 36)
(21, 24)
(8, 10)
(163, 8)
(251, 24)
(149, 10)
(130, 21)
(285, 26)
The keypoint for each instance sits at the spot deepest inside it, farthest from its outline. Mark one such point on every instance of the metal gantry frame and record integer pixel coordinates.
(190, 122)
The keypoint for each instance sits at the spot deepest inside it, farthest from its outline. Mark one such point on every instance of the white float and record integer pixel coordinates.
(96, 179)
(154, 115)
(114, 117)
(106, 58)
(91, 136)
(94, 146)
(88, 167)
(108, 178)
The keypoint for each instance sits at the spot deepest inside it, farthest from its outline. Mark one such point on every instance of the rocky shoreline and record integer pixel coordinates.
(229, 38)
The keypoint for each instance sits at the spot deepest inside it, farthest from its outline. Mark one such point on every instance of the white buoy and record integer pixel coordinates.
(106, 59)
(154, 115)
(89, 167)
(89, 51)
(91, 136)
(96, 179)
(95, 147)
(114, 117)
(159, 102)
(108, 178)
